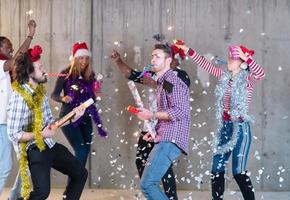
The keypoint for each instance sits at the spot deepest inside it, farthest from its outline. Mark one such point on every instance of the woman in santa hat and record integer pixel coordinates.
(76, 87)
(233, 96)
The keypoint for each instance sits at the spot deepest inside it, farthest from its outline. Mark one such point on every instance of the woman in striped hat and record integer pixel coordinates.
(233, 96)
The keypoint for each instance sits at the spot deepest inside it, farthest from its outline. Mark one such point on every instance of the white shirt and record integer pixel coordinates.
(5, 92)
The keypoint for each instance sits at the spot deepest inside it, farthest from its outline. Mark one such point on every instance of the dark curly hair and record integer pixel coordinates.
(2, 39)
(165, 48)
(23, 68)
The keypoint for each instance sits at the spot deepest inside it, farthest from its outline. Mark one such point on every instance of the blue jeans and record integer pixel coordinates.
(80, 138)
(5, 156)
(160, 159)
(240, 153)
(15, 192)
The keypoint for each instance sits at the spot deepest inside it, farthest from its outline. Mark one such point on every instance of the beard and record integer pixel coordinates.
(40, 80)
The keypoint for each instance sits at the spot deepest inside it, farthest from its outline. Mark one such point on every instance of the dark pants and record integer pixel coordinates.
(59, 158)
(80, 138)
(143, 150)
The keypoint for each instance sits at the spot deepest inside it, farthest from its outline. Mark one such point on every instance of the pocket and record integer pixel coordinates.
(174, 152)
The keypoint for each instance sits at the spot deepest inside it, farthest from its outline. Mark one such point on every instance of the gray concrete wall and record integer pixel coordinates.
(208, 26)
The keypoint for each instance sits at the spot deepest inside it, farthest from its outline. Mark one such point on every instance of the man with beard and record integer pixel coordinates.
(28, 124)
(144, 147)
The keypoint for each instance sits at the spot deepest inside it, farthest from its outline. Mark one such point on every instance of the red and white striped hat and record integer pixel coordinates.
(233, 52)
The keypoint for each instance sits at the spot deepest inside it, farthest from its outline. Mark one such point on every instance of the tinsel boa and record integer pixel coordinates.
(239, 108)
(80, 91)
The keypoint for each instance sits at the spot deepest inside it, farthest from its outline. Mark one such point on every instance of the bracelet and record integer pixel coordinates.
(29, 36)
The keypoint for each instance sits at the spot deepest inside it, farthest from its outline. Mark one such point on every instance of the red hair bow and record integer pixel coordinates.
(34, 53)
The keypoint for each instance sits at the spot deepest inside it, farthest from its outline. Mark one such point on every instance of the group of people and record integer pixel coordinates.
(26, 118)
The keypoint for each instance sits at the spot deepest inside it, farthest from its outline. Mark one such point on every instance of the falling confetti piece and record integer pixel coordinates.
(241, 30)
(170, 28)
(279, 68)
(100, 77)
(285, 117)
(30, 12)
(281, 179)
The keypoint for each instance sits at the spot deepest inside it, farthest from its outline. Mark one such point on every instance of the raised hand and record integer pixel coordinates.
(241, 54)
(31, 27)
(115, 55)
(183, 47)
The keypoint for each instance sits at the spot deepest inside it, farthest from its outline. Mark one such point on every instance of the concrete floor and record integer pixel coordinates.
(93, 194)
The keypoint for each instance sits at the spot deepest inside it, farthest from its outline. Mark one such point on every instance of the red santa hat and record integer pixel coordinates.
(34, 53)
(80, 49)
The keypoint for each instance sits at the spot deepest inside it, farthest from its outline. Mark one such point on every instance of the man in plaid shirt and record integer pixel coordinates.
(29, 74)
(173, 114)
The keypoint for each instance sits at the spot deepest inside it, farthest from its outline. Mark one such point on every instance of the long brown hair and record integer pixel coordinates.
(75, 71)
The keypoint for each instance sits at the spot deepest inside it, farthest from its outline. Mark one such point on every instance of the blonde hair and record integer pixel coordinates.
(75, 71)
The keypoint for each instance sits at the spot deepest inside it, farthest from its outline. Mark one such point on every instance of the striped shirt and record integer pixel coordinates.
(19, 118)
(256, 73)
(173, 98)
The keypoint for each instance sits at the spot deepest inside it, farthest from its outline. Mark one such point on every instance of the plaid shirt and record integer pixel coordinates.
(19, 118)
(173, 98)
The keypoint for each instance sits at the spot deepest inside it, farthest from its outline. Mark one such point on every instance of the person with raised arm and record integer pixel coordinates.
(6, 72)
(173, 123)
(233, 93)
(29, 120)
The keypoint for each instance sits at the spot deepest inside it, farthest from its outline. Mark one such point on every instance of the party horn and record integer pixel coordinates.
(146, 69)
(55, 75)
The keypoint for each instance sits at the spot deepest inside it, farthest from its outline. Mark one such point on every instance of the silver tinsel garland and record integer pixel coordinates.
(239, 108)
